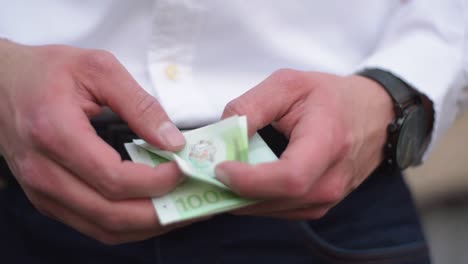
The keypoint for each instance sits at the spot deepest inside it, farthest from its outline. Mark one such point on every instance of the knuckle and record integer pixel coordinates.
(111, 187)
(296, 185)
(99, 61)
(25, 170)
(30, 176)
(242, 186)
(145, 105)
(113, 222)
(288, 78)
(333, 192)
(332, 196)
(291, 85)
(41, 131)
(237, 106)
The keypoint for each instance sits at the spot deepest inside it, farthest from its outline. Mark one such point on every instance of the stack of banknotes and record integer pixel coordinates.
(201, 194)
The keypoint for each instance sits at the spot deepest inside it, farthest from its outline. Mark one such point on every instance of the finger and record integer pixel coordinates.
(87, 227)
(113, 86)
(64, 188)
(105, 234)
(309, 154)
(69, 138)
(270, 100)
(326, 192)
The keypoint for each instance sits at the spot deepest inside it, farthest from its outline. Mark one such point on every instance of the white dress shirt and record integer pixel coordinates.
(197, 55)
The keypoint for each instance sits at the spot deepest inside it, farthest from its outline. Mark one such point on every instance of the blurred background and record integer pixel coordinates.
(440, 188)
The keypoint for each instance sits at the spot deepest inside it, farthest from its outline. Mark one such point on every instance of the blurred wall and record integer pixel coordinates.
(445, 172)
(440, 187)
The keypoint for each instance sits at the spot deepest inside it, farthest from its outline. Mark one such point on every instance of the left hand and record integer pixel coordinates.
(336, 128)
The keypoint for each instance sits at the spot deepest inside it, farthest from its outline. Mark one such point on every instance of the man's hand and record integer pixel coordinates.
(48, 94)
(336, 128)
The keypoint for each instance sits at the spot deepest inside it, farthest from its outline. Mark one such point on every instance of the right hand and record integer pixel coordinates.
(48, 94)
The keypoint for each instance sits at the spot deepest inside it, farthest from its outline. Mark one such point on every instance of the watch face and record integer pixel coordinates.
(411, 137)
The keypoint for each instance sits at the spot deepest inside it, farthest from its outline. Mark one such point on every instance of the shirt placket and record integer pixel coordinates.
(170, 57)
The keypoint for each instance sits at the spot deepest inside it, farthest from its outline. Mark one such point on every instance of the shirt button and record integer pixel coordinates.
(171, 71)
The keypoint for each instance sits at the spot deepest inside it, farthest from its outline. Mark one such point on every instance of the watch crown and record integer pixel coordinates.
(392, 127)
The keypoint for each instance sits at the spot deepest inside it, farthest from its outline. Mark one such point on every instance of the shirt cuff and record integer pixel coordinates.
(433, 67)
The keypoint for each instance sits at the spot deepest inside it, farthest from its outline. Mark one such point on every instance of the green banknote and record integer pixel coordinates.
(207, 146)
(201, 194)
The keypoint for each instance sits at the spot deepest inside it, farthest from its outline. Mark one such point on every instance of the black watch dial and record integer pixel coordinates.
(411, 137)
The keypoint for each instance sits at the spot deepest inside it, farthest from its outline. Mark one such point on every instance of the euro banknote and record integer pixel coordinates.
(208, 146)
(201, 194)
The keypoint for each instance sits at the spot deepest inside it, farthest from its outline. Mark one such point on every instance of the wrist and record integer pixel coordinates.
(408, 133)
(377, 112)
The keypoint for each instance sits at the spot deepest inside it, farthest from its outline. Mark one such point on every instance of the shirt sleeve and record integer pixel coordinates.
(423, 45)
(463, 102)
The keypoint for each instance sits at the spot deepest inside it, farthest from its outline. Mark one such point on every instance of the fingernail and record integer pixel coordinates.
(222, 176)
(171, 135)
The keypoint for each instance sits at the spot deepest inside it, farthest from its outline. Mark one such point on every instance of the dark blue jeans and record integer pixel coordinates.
(377, 223)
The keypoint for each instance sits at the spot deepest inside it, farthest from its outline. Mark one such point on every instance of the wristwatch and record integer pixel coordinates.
(407, 135)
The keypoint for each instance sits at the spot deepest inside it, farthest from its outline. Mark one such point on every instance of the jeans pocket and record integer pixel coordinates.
(415, 252)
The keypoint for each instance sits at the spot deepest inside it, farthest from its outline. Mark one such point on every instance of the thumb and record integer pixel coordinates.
(113, 86)
(269, 101)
